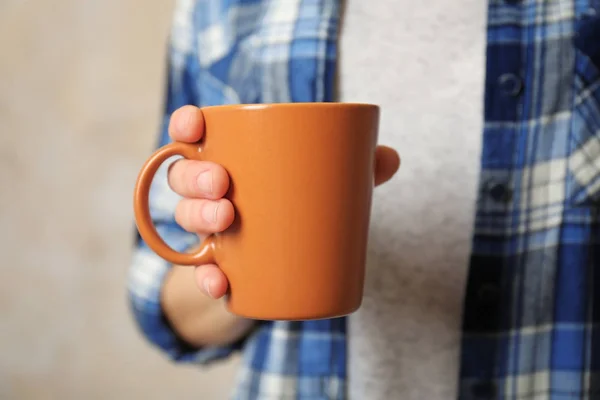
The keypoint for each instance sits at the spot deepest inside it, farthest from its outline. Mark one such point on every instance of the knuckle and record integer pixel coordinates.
(186, 215)
(189, 179)
(183, 177)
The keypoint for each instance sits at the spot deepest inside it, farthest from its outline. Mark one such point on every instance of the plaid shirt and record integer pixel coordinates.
(532, 314)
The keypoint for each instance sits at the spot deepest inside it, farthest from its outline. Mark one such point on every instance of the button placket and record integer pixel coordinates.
(484, 390)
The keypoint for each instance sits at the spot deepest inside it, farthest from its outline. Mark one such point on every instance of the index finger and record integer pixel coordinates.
(186, 124)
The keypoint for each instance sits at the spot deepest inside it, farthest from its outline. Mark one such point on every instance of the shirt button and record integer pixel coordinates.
(500, 192)
(510, 84)
(484, 390)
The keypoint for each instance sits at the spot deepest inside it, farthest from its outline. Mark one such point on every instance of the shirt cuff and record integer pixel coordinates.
(145, 280)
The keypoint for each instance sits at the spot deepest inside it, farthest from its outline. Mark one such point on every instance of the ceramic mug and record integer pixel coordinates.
(302, 177)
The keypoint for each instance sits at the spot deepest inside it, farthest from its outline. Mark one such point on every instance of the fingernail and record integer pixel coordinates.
(207, 285)
(205, 182)
(209, 212)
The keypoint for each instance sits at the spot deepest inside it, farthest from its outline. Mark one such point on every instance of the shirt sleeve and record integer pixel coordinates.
(147, 270)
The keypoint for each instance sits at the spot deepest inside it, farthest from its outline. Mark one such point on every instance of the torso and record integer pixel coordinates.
(424, 64)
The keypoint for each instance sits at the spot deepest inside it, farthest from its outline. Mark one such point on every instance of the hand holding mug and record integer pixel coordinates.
(204, 185)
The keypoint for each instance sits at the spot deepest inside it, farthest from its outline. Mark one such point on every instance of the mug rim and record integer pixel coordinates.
(266, 106)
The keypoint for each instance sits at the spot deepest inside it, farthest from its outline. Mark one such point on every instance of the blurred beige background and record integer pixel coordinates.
(80, 98)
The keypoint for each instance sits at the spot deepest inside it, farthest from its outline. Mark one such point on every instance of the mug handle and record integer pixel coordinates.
(143, 220)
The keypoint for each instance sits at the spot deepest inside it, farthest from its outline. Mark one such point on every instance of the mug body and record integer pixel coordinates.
(302, 177)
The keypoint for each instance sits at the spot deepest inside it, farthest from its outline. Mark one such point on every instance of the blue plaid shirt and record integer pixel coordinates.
(532, 312)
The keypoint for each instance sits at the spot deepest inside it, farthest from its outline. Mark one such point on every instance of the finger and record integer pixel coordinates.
(211, 281)
(387, 162)
(198, 179)
(204, 216)
(186, 124)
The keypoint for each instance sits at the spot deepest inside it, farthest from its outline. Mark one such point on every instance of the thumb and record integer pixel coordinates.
(387, 163)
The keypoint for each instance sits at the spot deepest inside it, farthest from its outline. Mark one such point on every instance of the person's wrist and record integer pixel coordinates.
(238, 326)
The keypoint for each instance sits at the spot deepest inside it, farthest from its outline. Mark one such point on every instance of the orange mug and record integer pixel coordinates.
(302, 177)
